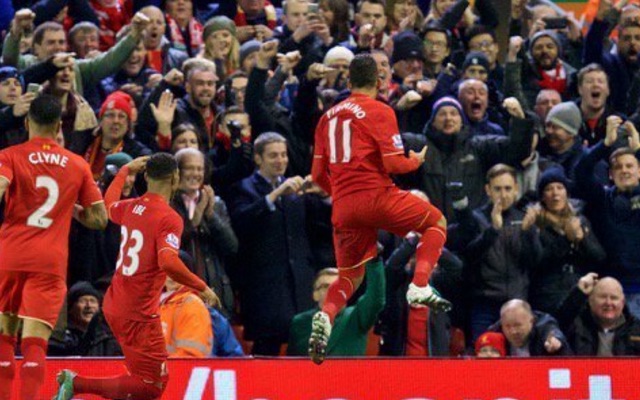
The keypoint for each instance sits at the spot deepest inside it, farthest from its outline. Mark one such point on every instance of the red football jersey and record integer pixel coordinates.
(46, 181)
(148, 226)
(353, 137)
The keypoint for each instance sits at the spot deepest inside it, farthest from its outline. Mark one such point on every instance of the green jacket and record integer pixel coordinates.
(89, 72)
(351, 327)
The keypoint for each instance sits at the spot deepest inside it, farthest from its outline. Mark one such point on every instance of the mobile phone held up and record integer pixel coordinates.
(33, 88)
(555, 22)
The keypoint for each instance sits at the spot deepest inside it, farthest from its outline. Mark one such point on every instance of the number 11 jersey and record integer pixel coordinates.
(354, 136)
(45, 182)
(148, 226)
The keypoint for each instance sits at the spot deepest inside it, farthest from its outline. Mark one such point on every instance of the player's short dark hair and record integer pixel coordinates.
(161, 166)
(363, 71)
(45, 110)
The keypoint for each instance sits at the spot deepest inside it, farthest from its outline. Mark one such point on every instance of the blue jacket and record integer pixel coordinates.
(615, 217)
(225, 343)
(485, 127)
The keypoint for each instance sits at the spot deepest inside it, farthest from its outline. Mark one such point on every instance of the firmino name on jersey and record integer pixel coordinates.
(347, 105)
(40, 157)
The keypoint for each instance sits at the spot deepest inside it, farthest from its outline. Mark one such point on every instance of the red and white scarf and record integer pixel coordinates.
(269, 10)
(195, 31)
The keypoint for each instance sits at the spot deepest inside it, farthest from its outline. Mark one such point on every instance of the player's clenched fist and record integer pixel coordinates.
(209, 297)
(419, 156)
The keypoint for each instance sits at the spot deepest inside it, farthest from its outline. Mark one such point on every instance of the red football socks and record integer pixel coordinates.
(7, 365)
(428, 253)
(34, 351)
(118, 387)
(342, 289)
(417, 332)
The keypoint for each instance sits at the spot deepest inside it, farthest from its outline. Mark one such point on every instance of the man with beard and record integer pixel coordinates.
(197, 108)
(620, 65)
(593, 87)
(160, 55)
(545, 70)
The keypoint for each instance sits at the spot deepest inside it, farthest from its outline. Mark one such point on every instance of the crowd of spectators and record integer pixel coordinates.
(532, 157)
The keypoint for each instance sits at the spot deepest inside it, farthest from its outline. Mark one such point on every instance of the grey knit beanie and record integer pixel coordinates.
(567, 116)
(217, 24)
(548, 33)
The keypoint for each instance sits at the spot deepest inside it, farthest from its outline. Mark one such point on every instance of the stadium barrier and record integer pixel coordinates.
(383, 378)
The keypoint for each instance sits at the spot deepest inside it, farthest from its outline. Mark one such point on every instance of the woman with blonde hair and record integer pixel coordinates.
(221, 45)
(569, 247)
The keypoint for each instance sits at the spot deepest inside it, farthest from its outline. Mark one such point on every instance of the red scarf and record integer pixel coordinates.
(269, 10)
(554, 82)
(96, 157)
(195, 34)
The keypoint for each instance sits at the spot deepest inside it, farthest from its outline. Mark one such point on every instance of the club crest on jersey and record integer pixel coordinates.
(173, 241)
(397, 141)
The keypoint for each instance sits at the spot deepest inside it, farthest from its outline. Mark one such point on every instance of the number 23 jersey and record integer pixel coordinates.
(353, 137)
(46, 181)
(148, 226)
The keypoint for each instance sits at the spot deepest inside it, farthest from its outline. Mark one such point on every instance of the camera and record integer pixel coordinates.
(623, 132)
(555, 22)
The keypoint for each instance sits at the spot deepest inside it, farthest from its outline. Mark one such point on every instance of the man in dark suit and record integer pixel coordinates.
(275, 264)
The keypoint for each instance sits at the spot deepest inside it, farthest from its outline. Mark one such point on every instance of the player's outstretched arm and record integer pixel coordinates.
(170, 262)
(399, 164)
(94, 217)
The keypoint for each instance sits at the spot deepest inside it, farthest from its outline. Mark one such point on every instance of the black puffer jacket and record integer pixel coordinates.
(497, 262)
(582, 330)
(465, 158)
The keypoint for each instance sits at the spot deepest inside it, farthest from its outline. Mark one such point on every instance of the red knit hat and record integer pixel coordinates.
(493, 339)
(118, 100)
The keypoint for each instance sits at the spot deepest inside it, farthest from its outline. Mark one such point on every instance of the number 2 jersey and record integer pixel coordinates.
(148, 226)
(46, 181)
(353, 137)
